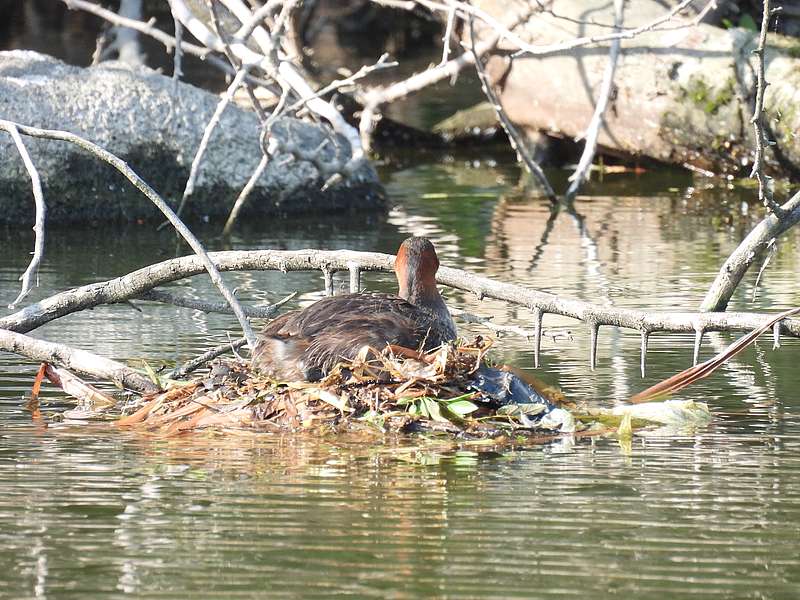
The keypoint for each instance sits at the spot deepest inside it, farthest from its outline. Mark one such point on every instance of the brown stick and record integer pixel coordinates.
(687, 377)
(77, 388)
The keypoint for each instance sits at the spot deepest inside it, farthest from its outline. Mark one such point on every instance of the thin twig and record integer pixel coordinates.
(32, 271)
(513, 135)
(153, 196)
(603, 95)
(757, 120)
(212, 123)
(242, 198)
(177, 58)
(383, 62)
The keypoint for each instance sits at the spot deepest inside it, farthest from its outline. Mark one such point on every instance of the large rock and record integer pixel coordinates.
(681, 95)
(138, 116)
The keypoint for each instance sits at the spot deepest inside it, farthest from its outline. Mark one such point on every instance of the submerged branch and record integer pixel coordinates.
(258, 312)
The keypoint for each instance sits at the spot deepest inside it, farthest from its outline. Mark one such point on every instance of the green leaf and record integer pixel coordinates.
(152, 374)
(461, 407)
(432, 408)
(625, 429)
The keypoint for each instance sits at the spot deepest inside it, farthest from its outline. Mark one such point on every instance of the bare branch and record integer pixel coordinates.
(247, 28)
(383, 62)
(212, 123)
(604, 93)
(167, 40)
(514, 136)
(126, 40)
(199, 361)
(448, 34)
(464, 10)
(737, 264)
(177, 58)
(30, 273)
(372, 99)
(284, 72)
(151, 194)
(764, 182)
(135, 283)
(242, 198)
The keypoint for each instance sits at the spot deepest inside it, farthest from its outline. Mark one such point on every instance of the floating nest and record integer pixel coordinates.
(453, 390)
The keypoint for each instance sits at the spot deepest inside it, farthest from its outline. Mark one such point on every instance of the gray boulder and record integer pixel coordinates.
(139, 116)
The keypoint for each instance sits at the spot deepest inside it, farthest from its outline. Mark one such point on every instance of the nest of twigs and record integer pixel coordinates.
(392, 391)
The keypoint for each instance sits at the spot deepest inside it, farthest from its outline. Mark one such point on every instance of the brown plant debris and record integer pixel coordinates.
(451, 390)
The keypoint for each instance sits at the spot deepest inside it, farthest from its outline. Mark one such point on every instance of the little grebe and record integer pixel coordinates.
(306, 344)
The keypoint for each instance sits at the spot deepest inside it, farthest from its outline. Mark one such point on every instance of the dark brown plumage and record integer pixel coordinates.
(306, 344)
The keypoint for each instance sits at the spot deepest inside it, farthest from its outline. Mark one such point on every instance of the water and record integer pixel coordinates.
(87, 511)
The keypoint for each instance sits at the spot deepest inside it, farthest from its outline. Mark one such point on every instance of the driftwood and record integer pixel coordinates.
(76, 360)
(141, 281)
(683, 94)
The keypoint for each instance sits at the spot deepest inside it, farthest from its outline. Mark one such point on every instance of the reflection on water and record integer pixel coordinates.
(88, 511)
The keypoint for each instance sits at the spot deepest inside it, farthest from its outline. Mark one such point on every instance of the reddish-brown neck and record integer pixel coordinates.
(416, 267)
